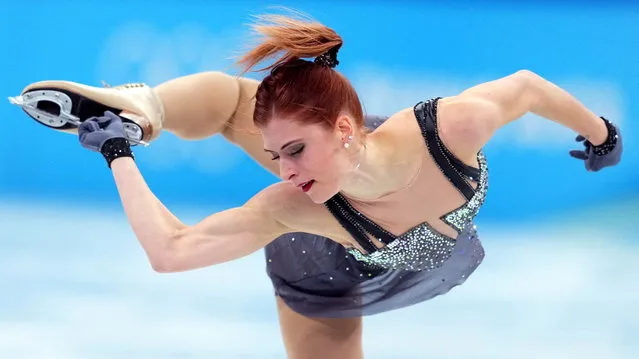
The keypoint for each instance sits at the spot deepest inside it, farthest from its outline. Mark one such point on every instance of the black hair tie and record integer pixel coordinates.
(329, 58)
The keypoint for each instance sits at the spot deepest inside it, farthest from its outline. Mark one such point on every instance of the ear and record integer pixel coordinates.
(344, 127)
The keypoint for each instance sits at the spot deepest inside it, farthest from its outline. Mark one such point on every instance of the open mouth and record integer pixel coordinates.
(306, 186)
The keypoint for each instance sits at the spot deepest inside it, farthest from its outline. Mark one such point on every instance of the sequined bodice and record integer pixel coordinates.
(421, 247)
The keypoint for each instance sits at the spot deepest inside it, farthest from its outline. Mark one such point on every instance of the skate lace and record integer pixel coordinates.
(124, 86)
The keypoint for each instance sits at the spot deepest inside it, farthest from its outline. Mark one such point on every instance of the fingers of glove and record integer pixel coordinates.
(112, 121)
(581, 155)
(590, 167)
(111, 115)
(89, 141)
(105, 121)
(89, 125)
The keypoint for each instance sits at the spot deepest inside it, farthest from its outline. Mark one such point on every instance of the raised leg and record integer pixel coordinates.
(208, 103)
(192, 107)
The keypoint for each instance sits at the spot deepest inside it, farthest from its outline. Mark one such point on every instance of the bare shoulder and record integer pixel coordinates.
(400, 133)
(289, 206)
(400, 139)
(464, 124)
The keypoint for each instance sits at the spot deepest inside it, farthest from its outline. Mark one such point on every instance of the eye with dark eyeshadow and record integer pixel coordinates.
(293, 150)
(296, 149)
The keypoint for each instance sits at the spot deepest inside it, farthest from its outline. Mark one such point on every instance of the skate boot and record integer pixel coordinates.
(64, 105)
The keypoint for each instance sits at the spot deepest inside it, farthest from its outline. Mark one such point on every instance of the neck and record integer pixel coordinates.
(369, 178)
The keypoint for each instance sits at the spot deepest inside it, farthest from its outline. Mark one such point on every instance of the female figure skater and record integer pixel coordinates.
(363, 221)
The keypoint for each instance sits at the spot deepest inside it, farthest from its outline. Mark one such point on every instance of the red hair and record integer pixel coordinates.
(295, 88)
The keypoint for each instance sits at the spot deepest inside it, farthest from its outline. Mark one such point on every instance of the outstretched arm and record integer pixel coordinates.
(472, 117)
(172, 246)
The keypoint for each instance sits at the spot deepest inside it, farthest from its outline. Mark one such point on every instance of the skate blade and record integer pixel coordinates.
(53, 109)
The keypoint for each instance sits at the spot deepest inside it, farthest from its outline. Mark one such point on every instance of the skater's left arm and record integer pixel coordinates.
(467, 121)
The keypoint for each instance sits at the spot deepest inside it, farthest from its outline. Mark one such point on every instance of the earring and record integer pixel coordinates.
(347, 144)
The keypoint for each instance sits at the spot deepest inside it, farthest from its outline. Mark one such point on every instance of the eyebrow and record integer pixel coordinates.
(285, 145)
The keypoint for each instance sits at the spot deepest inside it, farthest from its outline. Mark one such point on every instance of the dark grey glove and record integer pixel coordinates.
(607, 154)
(105, 134)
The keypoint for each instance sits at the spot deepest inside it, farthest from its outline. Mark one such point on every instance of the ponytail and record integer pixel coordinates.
(291, 39)
(310, 92)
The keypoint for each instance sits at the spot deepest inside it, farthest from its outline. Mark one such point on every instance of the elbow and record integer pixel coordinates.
(526, 75)
(165, 258)
(165, 262)
(163, 265)
(532, 87)
(528, 80)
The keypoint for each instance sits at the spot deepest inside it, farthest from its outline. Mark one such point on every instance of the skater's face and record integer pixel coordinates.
(312, 157)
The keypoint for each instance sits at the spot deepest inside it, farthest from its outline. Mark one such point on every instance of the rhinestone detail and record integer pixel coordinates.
(423, 247)
(611, 140)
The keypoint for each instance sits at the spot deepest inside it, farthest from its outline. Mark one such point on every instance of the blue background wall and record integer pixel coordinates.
(559, 236)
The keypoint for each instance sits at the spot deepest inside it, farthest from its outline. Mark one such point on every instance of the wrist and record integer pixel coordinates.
(115, 148)
(608, 142)
(600, 135)
(121, 162)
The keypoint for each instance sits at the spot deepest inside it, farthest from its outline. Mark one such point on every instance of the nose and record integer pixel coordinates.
(287, 172)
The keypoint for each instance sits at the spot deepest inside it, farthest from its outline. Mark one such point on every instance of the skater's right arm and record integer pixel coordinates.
(173, 246)
(170, 244)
